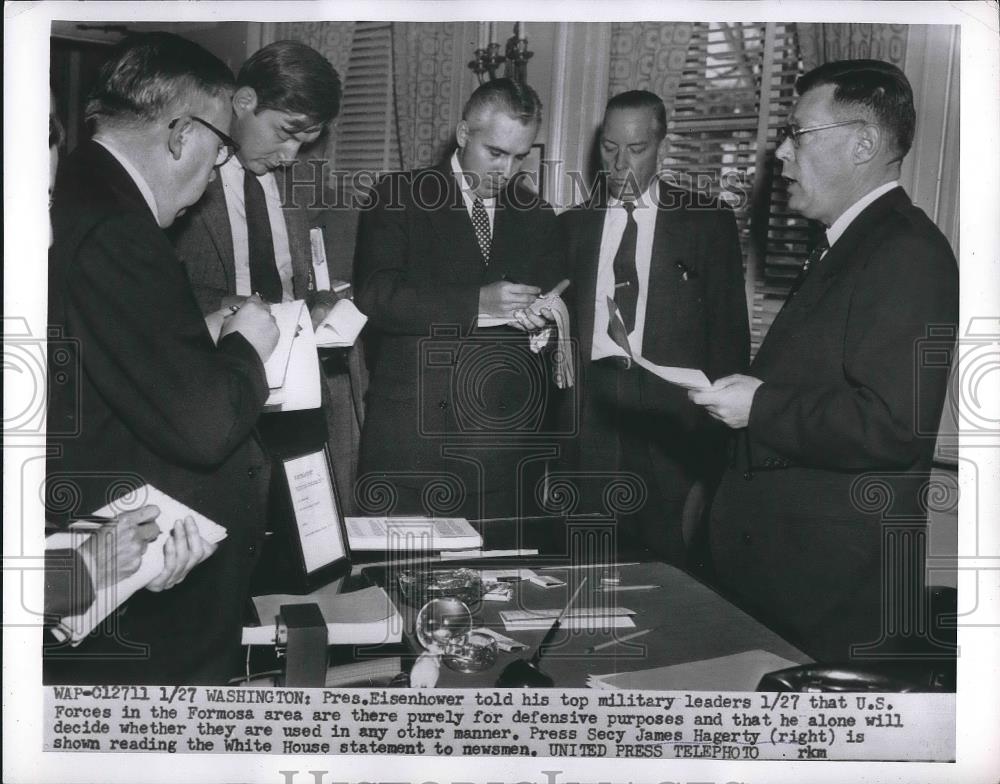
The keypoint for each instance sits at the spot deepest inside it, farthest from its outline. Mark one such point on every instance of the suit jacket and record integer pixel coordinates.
(696, 317)
(152, 400)
(437, 382)
(797, 524)
(204, 241)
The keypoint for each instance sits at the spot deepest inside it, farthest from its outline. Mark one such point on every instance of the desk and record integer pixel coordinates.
(692, 622)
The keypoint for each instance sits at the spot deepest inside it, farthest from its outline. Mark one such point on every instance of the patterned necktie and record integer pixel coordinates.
(810, 261)
(481, 223)
(626, 277)
(264, 278)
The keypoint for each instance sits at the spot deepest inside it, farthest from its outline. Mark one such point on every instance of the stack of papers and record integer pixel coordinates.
(737, 672)
(411, 533)
(365, 617)
(75, 627)
(581, 618)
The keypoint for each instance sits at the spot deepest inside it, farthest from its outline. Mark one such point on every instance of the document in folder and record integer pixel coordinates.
(288, 316)
(300, 388)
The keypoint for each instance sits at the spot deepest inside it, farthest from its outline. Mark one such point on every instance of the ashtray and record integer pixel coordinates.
(474, 652)
(419, 587)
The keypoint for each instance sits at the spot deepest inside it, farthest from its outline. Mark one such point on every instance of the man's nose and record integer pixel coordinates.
(289, 151)
(785, 151)
(621, 164)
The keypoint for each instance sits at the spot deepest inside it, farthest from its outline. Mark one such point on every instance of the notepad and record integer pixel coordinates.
(74, 628)
(287, 316)
(341, 327)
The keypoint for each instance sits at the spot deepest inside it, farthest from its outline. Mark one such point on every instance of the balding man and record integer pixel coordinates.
(152, 399)
(451, 406)
(834, 395)
(666, 270)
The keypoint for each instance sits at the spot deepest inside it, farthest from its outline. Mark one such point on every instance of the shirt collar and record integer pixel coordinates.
(137, 178)
(648, 198)
(840, 225)
(463, 183)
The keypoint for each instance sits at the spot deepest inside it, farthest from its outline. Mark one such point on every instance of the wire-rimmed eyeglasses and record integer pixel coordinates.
(229, 147)
(793, 132)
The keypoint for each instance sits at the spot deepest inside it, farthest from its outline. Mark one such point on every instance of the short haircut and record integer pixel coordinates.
(150, 73)
(514, 99)
(641, 99)
(289, 76)
(880, 88)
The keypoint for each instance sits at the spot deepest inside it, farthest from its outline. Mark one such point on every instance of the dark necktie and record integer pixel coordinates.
(264, 278)
(626, 277)
(481, 223)
(810, 261)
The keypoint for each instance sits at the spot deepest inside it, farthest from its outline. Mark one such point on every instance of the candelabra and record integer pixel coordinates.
(487, 58)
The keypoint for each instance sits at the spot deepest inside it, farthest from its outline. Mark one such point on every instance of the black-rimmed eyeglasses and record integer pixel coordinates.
(793, 132)
(229, 147)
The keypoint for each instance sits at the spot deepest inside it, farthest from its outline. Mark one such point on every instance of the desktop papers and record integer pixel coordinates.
(737, 672)
(411, 533)
(365, 617)
(75, 628)
(577, 618)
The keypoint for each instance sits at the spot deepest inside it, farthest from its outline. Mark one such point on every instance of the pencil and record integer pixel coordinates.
(609, 643)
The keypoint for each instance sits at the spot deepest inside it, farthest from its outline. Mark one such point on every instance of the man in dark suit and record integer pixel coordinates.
(152, 398)
(829, 412)
(666, 271)
(251, 233)
(453, 411)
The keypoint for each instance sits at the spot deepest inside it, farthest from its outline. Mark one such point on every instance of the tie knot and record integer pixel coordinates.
(629, 207)
(823, 244)
(477, 202)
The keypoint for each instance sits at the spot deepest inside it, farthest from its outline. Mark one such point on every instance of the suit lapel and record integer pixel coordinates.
(837, 260)
(671, 256)
(215, 216)
(450, 219)
(591, 231)
(299, 242)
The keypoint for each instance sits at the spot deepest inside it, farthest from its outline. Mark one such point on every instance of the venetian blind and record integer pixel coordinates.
(736, 89)
(366, 140)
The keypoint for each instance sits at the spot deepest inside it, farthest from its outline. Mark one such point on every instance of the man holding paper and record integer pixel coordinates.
(829, 417)
(454, 407)
(658, 285)
(150, 399)
(250, 233)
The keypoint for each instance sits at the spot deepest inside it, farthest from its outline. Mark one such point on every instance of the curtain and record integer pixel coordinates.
(423, 64)
(823, 43)
(331, 39)
(649, 56)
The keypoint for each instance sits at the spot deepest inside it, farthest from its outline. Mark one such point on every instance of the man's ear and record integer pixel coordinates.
(462, 133)
(180, 134)
(244, 100)
(869, 142)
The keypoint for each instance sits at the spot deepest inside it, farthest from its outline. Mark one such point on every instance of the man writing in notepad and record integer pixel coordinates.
(151, 400)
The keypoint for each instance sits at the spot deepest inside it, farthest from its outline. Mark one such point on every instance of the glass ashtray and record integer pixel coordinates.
(474, 652)
(419, 587)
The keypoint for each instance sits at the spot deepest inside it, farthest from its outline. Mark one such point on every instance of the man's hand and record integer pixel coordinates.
(321, 307)
(729, 399)
(512, 301)
(114, 551)
(254, 321)
(233, 301)
(183, 550)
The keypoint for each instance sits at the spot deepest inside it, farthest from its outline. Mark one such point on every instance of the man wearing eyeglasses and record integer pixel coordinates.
(833, 399)
(150, 398)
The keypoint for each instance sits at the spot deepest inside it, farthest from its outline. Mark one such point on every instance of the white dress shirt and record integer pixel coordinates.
(468, 193)
(615, 218)
(232, 186)
(840, 225)
(138, 179)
